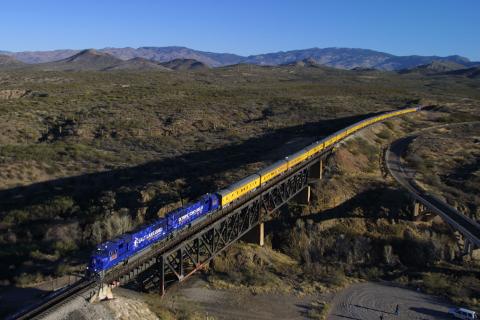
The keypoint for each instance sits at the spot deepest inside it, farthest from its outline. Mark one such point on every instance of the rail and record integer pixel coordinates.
(405, 177)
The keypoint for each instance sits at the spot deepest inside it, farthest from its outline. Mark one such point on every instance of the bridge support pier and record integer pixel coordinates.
(467, 247)
(256, 235)
(418, 209)
(303, 197)
(161, 275)
(316, 170)
(104, 292)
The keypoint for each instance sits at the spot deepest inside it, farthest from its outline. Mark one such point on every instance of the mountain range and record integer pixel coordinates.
(343, 58)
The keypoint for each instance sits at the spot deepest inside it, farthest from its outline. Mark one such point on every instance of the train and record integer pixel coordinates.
(119, 250)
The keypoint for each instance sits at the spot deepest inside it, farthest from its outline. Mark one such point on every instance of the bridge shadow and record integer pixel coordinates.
(379, 201)
(200, 170)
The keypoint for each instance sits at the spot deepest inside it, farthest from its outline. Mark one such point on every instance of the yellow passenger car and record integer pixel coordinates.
(272, 171)
(238, 189)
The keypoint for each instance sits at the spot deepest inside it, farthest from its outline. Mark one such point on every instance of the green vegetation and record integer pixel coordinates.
(97, 154)
(318, 310)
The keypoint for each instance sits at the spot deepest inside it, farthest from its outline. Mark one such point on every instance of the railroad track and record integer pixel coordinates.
(56, 300)
(405, 177)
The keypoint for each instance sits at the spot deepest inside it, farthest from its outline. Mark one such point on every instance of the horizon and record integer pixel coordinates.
(245, 56)
(428, 28)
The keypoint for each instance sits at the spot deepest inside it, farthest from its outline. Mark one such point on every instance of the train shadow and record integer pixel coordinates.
(200, 170)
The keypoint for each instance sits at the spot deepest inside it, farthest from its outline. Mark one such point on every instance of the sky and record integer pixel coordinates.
(401, 27)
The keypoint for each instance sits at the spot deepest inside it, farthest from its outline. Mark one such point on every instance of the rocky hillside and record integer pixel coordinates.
(8, 62)
(137, 64)
(185, 64)
(344, 58)
(85, 60)
(472, 73)
(42, 56)
(308, 63)
(435, 67)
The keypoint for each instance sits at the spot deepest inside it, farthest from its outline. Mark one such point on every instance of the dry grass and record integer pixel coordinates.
(123, 147)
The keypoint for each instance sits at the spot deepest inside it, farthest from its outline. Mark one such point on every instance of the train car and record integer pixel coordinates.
(181, 217)
(238, 189)
(314, 148)
(109, 254)
(296, 158)
(152, 233)
(272, 171)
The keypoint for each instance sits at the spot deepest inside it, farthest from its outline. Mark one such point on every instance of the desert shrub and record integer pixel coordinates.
(69, 232)
(25, 279)
(366, 148)
(389, 125)
(433, 180)
(372, 273)
(317, 310)
(64, 247)
(440, 284)
(109, 227)
(335, 277)
(384, 134)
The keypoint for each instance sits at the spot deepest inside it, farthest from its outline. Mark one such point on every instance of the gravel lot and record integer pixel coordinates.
(367, 301)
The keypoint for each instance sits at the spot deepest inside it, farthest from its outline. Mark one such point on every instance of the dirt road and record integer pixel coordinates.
(367, 301)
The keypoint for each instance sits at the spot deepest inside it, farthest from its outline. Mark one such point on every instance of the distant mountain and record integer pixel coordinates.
(185, 64)
(435, 67)
(344, 58)
(137, 64)
(43, 56)
(9, 62)
(165, 54)
(89, 59)
(347, 58)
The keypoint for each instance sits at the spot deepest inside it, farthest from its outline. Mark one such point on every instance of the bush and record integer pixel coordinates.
(318, 310)
(109, 227)
(384, 134)
(367, 149)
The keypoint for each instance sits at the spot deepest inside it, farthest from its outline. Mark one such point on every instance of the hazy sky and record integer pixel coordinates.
(425, 27)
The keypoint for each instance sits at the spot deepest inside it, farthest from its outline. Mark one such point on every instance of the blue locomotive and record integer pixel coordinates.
(111, 253)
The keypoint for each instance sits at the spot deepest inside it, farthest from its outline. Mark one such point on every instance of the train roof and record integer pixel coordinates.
(272, 166)
(296, 154)
(238, 184)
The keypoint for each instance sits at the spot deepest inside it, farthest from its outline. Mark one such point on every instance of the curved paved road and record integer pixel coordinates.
(370, 300)
(405, 177)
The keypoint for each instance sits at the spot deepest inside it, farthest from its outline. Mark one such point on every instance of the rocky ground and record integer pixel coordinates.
(371, 300)
(195, 299)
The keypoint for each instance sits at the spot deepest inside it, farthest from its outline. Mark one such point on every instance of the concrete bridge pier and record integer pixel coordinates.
(467, 247)
(256, 235)
(418, 209)
(304, 196)
(316, 170)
